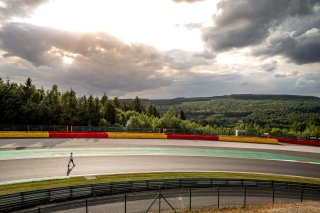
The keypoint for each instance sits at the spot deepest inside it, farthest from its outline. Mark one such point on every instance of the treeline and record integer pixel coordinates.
(26, 104)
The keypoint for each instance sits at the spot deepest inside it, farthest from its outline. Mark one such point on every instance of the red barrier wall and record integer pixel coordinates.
(299, 141)
(78, 135)
(193, 137)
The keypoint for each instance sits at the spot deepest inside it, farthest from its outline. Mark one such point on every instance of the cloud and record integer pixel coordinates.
(270, 67)
(191, 26)
(18, 8)
(100, 62)
(302, 49)
(280, 75)
(243, 23)
(188, 1)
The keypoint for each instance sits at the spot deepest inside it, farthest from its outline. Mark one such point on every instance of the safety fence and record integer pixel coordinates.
(159, 195)
(63, 131)
(68, 128)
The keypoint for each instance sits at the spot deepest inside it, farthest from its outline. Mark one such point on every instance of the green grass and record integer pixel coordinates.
(46, 184)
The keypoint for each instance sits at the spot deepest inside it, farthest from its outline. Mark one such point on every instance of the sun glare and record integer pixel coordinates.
(67, 60)
(158, 23)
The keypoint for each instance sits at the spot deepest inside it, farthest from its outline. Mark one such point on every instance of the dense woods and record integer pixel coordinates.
(284, 115)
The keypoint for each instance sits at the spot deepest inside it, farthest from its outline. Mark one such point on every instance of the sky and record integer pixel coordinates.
(163, 48)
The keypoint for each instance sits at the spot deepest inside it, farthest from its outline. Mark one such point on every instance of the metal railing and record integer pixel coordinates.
(141, 196)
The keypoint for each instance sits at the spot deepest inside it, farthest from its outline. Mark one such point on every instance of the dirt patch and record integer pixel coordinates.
(305, 207)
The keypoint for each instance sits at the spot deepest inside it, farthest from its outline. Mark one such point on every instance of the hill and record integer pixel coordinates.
(279, 111)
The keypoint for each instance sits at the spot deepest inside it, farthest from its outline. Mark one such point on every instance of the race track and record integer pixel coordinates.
(52, 163)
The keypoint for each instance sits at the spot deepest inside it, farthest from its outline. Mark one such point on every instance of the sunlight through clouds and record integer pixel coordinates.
(163, 48)
(151, 22)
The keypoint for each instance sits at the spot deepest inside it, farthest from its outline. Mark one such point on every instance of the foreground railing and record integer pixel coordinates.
(167, 194)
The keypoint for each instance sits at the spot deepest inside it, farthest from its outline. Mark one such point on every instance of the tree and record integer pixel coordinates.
(170, 120)
(69, 104)
(116, 102)
(182, 116)
(111, 113)
(51, 106)
(152, 111)
(137, 106)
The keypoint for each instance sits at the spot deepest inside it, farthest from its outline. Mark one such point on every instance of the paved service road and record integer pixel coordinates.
(218, 156)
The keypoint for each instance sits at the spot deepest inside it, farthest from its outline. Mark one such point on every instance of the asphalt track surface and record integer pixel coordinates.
(51, 167)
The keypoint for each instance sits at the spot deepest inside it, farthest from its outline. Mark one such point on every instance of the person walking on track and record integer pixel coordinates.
(71, 160)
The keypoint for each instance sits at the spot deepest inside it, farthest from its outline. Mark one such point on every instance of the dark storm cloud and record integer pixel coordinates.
(248, 22)
(100, 60)
(301, 50)
(18, 8)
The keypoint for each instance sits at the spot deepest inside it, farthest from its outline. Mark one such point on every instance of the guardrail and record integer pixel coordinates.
(224, 191)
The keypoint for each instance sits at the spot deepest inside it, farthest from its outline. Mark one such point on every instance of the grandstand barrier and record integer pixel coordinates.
(248, 139)
(78, 135)
(137, 135)
(22, 134)
(299, 141)
(193, 137)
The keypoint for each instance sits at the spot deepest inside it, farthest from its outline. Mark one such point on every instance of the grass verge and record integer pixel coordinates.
(72, 181)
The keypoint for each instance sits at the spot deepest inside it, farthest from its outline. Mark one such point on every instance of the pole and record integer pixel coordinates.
(87, 206)
(218, 197)
(272, 195)
(245, 197)
(190, 200)
(159, 202)
(301, 198)
(125, 203)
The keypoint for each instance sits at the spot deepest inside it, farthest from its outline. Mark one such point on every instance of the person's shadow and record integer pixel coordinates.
(69, 169)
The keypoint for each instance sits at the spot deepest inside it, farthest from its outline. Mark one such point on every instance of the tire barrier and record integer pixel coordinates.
(78, 135)
(299, 141)
(17, 134)
(248, 139)
(137, 135)
(193, 137)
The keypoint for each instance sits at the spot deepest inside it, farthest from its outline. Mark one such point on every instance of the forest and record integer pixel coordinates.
(281, 115)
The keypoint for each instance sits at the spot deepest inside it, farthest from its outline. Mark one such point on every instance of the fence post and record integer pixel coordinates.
(125, 203)
(111, 189)
(245, 197)
(272, 195)
(159, 201)
(22, 197)
(190, 200)
(301, 198)
(39, 210)
(218, 197)
(87, 206)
